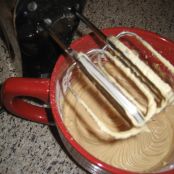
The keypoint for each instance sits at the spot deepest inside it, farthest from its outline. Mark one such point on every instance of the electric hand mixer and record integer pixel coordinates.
(159, 94)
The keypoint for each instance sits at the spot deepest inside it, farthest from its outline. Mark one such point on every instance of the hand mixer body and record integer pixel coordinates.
(36, 47)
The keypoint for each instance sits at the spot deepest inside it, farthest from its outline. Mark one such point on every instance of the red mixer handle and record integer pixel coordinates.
(15, 88)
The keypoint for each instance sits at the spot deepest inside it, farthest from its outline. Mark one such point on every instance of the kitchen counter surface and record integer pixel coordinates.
(32, 148)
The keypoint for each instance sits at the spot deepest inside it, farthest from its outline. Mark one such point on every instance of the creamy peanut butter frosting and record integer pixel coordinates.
(93, 122)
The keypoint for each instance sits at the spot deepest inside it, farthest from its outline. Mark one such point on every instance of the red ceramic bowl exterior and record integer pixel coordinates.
(85, 43)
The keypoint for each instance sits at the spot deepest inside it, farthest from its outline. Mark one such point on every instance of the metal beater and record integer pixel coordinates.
(113, 94)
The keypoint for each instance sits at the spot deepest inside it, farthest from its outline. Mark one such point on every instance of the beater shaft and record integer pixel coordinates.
(98, 32)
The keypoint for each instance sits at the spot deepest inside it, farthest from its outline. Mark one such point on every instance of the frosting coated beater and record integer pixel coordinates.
(158, 93)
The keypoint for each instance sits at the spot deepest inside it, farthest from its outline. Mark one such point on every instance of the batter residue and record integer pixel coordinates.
(144, 152)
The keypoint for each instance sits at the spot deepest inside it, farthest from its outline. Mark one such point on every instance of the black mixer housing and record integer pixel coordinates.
(39, 52)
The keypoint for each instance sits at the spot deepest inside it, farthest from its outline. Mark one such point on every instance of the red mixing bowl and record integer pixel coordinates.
(45, 90)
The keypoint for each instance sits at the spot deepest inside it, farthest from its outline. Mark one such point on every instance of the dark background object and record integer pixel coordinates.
(39, 52)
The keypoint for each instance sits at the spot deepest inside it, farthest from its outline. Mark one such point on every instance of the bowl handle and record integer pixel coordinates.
(15, 89)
